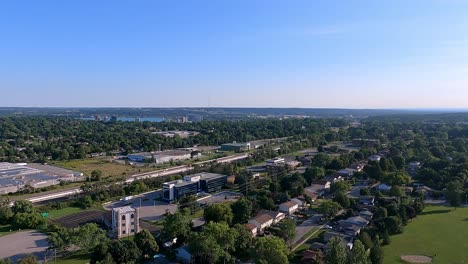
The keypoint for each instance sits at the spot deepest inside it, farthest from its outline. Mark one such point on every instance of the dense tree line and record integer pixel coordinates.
(36, 138)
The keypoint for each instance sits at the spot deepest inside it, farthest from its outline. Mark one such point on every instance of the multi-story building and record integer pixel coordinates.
(178, 189)
(193, 184)
(125, 221)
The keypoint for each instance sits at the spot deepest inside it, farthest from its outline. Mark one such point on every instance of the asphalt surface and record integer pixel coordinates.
(149, 209)
(20, 244)
(306, 226)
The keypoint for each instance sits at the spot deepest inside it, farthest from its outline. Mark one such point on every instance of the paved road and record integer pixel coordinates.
(19, 244)
(306, 226)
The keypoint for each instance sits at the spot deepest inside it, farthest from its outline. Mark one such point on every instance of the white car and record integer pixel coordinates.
(327, 227)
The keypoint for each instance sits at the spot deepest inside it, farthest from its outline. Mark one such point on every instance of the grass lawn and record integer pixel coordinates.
(78, 259)
(440, 232)
(109, 169)
(5, 230)
(64, 212)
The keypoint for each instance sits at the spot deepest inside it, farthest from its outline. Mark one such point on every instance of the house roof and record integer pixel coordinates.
(289, 204)
(272, 214)
(321, 182)
(368, 213)
(311, 255)
(263, 218)
(250, 226)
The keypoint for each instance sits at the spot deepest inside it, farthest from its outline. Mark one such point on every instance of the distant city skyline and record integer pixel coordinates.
(247, 53)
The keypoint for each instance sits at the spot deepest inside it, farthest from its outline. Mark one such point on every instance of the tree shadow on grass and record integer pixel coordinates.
(436, 212)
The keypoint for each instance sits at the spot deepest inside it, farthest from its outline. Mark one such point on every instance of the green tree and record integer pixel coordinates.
(337, 252)
(87, 237)
(287, 230)
(366, 240)
(27, 220)
(376, 254)
(96, 175)
(125, 251)
(359, 254)
(23, 206)
(6, 213)
(244, 242)
(342, 199)
(271, 250)
(176, 225)
(454, 193)
(313, 173)
(146, 243)
(340, 186)
(216, 238)
(5, 261)
(242, 210)
(329, 209)
(396, 191)
(386, 238)
(219, 213)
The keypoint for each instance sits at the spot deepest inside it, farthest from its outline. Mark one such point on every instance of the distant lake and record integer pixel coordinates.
(131, 119)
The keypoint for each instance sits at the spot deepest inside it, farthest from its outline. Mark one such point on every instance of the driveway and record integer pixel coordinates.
(305, 227)
(19, 244)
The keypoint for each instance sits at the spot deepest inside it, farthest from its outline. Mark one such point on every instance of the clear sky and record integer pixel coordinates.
(242, 53)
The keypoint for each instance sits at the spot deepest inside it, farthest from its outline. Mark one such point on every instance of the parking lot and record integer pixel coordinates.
(222, 197)
(149, 208)
(19, 244)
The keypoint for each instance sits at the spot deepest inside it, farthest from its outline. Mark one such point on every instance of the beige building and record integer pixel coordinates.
(288, 207)
(125, 221)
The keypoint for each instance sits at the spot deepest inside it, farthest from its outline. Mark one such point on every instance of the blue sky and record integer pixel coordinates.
(243, 53)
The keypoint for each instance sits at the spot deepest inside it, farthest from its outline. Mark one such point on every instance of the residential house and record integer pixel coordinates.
(354, 220)
(366, 215)
(367, 200)
(346, 173)
(311, 256)
(299, 202)
(383, 187)
(321, 185)
(345, 239)
(275, 215)
(183, 255)
(357, 166)
(333, 178)
(261, 222)
(252, 229)
(288, 207)
(375, 158)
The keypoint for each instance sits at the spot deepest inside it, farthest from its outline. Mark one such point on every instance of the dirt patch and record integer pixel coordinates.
(416, 259)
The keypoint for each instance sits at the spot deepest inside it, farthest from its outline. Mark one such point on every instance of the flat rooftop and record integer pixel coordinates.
(206, 175)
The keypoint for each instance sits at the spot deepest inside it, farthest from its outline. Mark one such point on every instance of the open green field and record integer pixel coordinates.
(79, 259)
(109, 169)
(440, 232)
